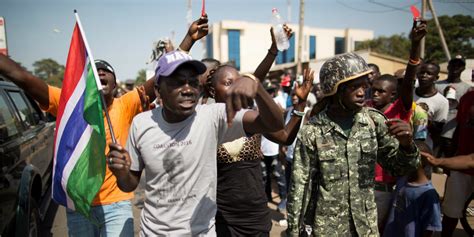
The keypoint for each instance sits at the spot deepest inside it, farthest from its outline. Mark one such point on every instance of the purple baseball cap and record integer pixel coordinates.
(168, 63)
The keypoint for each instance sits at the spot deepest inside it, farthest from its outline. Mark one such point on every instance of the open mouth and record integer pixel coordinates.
(186, 104)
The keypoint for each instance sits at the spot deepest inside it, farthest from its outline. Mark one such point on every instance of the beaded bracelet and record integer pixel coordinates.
(182, 50)
(298, 113)
(414, 62)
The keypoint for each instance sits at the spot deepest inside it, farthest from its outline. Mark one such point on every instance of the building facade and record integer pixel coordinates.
(246, 43)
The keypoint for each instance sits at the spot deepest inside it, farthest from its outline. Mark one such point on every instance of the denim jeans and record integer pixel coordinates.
(115, 219)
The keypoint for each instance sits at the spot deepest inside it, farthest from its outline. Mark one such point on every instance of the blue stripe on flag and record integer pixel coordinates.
(73, 131)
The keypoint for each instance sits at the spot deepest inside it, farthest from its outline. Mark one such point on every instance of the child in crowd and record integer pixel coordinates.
(415, 207)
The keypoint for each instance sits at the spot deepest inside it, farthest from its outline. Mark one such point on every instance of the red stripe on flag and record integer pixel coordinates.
(75, 64)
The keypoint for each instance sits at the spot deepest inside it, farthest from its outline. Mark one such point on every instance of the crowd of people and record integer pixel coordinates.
(352, 154)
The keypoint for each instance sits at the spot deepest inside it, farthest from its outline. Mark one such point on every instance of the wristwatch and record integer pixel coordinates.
(298, 113)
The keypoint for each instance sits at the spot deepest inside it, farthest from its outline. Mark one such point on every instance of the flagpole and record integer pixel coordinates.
(96, 77)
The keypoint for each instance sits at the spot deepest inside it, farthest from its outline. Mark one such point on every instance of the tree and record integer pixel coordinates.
(141, 77)
(50, 71)
(458, 32)
(395, 45)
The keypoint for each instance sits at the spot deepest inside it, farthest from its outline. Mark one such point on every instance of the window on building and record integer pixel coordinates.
(340, 45)
(209, 48)
(312, 47)
(288, 55)
(234, 47)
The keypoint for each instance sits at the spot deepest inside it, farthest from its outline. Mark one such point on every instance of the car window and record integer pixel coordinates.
(24, 111)
(8, 127)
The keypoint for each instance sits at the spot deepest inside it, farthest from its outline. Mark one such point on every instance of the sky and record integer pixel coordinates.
(122, 32)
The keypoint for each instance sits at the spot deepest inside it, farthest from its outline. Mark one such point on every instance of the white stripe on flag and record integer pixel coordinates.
(71, 105)
(68, 109)
(76, 154)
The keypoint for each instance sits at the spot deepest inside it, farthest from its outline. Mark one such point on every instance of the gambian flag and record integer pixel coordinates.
(79, 157)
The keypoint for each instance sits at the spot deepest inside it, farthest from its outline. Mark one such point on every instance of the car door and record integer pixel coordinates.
(10, 146)
(37, 134)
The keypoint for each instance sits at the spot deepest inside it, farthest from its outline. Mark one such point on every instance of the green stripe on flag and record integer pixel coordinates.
(88, 174)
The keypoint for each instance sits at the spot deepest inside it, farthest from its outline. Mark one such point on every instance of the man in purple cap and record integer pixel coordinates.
(176, 145)
(112, 207)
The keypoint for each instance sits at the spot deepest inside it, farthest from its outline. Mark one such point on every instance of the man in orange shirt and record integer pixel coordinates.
(111, 208)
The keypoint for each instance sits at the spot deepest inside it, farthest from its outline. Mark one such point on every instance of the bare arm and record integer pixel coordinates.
(267, 119)
(463, 162)
(417, 33)
(288, 135)
(196, 31)
(267, 62)
(32, 85)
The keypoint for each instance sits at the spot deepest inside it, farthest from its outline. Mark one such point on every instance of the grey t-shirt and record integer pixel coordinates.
(461, 88)
(180, 168)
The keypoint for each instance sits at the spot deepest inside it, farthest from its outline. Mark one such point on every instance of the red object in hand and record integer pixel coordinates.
(203, 9)
(414, 11)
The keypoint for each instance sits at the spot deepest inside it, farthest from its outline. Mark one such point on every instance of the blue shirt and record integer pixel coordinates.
(415, 208)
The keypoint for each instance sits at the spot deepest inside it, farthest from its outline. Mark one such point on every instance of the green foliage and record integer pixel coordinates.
(141, 77)
(50, 71)
(458, 31)
(395, 45)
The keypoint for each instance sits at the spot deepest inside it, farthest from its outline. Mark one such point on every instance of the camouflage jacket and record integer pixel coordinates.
(334, 174)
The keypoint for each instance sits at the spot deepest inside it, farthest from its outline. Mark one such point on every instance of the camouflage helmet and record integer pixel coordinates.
(340, 69)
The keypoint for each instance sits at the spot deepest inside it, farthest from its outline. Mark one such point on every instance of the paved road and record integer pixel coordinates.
(56, 218)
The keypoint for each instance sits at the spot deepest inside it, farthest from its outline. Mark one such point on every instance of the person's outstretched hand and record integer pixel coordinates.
(418, 31)
(302, 91)
(118, 160)
(199, 28)
(238, 94)
(433, 161)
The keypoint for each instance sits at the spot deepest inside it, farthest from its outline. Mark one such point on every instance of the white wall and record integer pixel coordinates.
(255, 40)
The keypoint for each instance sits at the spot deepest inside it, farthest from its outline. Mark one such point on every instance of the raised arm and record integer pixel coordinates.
(197, 30)
(267, 62)
(417, 33)
(32, 85)
(288, 135)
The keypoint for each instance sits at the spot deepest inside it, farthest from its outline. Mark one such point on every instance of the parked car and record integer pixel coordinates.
(26, 160)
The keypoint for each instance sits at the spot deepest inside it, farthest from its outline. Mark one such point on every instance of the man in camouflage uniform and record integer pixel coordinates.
(332, 183)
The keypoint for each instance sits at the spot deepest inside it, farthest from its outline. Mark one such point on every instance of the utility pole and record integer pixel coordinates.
(422, 43)
(299, 68)
(440, 31)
